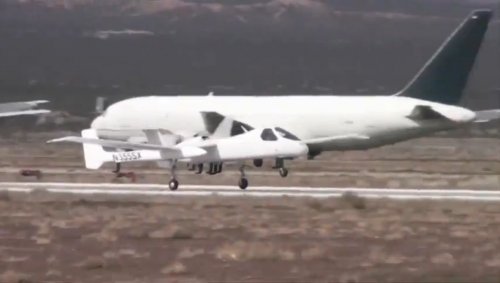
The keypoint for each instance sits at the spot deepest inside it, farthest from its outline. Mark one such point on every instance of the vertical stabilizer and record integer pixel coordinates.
(444, 77)
(94, 154)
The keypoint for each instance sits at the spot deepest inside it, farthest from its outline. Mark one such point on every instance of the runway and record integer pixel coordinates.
(233, 191)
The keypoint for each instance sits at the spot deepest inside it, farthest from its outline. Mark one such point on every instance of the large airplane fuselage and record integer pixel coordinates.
(384, 119)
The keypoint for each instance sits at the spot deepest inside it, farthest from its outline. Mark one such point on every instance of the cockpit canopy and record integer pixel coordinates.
(271, 134)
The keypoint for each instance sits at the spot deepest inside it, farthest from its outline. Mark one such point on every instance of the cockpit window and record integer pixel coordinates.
(268, 135)
(286, 134)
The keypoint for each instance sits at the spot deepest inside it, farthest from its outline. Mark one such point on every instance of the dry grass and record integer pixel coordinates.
(176, 268)
(190, 253)
(104, 236)
(242, 251)
(251, 239)
(171, 232)
(97, 262)
(353, 200)
(11, 276)
(315, 253)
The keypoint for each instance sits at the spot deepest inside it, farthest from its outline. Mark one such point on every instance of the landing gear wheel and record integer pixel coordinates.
(243, 183)
(173, 184)
(283, 172)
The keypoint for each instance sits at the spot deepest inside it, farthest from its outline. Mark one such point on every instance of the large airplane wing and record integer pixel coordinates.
(339, 139)
(22, 108)
(25, 112)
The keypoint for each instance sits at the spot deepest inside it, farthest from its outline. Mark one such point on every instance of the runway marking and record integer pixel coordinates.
(233, 191)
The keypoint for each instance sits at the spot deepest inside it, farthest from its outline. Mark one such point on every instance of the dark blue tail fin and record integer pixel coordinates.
(444, 76)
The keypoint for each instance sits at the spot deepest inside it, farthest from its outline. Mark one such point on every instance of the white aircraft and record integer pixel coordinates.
(213, 130)
(9, 109)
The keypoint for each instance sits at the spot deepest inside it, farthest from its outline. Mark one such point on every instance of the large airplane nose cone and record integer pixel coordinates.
(97, 123)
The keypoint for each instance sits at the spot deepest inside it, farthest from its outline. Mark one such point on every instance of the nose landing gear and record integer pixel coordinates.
(283, 172)
(173, 184)
(280, 165)
(243, 183)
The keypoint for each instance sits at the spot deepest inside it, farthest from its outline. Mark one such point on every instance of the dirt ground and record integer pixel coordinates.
(49, 238)
(215, 239)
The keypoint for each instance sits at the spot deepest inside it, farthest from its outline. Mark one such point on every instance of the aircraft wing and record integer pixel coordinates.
(9, 109)
(24, 112)
(487, 115)
(115, 144)
(340, 139)
(20, 105)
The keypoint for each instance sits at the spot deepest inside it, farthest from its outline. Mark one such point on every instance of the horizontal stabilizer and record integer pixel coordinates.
(425, 112)
(185, 152)
(487, 115)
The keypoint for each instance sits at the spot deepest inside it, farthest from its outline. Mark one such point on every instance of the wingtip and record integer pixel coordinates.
(481, 13)
(59, 140)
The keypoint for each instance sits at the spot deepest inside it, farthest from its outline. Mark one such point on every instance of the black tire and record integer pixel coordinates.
(258, 162)
(243, 183)
(283, 172)
(173, 185)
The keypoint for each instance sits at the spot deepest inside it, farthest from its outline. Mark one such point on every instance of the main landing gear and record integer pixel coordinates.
(280, 165)
(118, 167)
(214, 168)
(243, 183)
(173, 184)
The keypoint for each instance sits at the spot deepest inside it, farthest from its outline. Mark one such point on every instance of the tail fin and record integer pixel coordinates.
(94, 154)
(444, 77)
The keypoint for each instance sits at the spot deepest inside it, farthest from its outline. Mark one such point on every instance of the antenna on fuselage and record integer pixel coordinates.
(211, 93)
(100, 104)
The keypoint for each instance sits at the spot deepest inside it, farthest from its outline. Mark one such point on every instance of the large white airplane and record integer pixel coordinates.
(9, 109)
(212, 130)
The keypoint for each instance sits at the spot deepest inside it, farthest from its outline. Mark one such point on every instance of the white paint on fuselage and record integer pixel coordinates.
(382, 118)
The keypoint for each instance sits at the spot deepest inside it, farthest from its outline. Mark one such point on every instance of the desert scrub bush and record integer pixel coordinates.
(241, 251)
(353, 200)
(319, 205)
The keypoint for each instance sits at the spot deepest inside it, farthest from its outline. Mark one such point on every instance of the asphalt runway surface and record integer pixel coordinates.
(261, 191)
